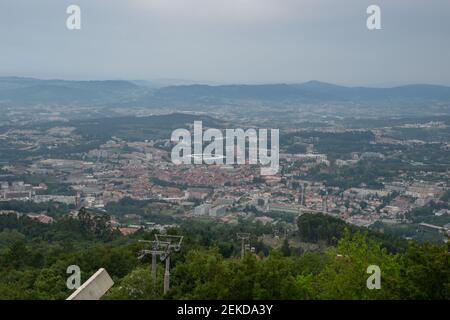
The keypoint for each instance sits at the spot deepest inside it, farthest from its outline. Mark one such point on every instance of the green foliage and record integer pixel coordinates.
(425, 272)
(50, 208)
(285, 249)
(365, 172)
(345, 276)
(34, 258)
(137, 285)
(321, 228)
(142, 208)
(446, 196)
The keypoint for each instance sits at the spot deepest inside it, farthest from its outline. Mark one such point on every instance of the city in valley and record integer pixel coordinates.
(388, 175)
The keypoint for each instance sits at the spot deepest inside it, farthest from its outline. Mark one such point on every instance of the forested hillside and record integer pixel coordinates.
(34, 258)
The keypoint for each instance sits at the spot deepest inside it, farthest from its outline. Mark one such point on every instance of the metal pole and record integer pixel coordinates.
(167, 275)
(154, 270)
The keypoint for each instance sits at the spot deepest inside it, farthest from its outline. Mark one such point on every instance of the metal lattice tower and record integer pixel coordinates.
(163, 245)
(243, 237)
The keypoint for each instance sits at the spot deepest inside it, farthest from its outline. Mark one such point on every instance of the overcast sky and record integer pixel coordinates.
(228, 41)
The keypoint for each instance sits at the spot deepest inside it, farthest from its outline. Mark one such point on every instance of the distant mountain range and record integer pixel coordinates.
(29, 91)
(23, 91)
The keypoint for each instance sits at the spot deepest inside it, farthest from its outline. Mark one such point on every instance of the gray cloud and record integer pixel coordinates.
(228, 40)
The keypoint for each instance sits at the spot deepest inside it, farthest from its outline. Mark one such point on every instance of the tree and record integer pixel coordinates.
(425, 272)
(285, 248)
(137, 285)
(345, 276)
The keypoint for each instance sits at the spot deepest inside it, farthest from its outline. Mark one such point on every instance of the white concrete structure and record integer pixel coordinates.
(94, 288)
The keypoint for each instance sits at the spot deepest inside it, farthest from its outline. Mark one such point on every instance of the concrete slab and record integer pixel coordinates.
(94, 288)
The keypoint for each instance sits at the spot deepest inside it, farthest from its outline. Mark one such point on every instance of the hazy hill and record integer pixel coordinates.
(309, 91)
(29, 91)
(23, 91)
